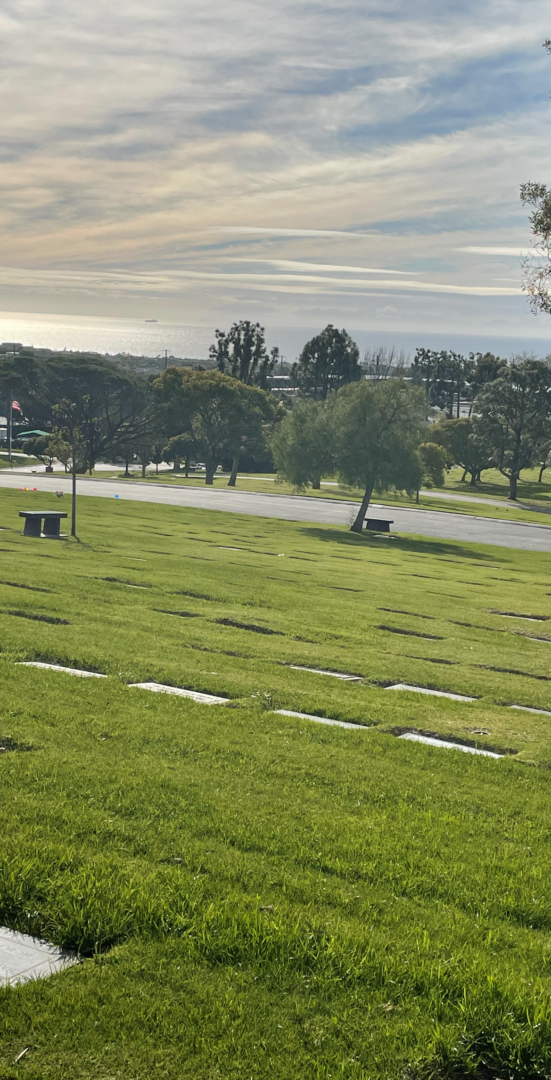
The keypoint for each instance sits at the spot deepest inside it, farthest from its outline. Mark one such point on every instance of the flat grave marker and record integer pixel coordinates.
(23, 958)
(58, 667)
(412, 737)
(526, 708)
(432, 693)
(320, 719)
(195, 695)
(321, 671)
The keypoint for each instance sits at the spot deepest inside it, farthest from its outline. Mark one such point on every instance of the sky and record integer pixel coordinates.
(297, 163)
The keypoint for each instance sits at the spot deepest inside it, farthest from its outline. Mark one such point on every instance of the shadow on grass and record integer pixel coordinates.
(395, 543)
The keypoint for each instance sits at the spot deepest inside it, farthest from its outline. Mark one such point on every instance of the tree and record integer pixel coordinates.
(254, 411)
(384, 362)
(180, 448)
(302, 445)
(327, 362)
(445, 375)
(220, 413)
(59, 448)
(107, 400)
(172, 404)
(537, 268)
(242, 353)
(471, 453)
(513, 417)
(486, 368)
(434, 459)
(39, 447)
(376, 429)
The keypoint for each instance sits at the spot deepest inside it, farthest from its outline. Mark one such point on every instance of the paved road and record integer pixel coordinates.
(433, 523)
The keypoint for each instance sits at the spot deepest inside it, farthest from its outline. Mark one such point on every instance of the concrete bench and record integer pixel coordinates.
(378, 525)
(33, 523)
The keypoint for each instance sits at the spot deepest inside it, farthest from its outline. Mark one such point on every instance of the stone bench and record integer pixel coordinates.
(378, 525)
(33, 523)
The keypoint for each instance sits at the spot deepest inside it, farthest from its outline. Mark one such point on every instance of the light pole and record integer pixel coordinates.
(74, 489)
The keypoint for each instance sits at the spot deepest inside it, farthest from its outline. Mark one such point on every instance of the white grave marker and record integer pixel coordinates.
(159, 688)
(23, 958)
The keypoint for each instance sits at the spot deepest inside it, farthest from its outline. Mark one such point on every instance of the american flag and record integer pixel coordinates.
(16, 405)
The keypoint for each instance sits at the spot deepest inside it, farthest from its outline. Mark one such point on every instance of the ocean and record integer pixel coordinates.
(191, 341)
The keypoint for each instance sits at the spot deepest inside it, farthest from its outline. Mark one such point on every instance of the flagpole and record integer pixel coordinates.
(10, 424)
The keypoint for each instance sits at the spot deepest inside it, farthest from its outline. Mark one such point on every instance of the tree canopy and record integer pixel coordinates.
(327, 362)
(471, 453)
(376, 429)
(104, 399)
(241, 352)
(513, 417)
(302, 444)
(222, 414)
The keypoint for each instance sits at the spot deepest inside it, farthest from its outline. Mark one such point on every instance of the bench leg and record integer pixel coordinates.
(51, 527)
(32, 527)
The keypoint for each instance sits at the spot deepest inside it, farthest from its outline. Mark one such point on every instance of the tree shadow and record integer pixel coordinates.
(392, 542)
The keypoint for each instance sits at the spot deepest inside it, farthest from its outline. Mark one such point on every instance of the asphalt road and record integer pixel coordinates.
(433, 523)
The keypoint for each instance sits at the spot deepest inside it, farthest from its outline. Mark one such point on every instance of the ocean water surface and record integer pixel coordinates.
(191, 341)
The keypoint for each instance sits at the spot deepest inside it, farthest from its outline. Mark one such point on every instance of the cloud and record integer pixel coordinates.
(495, 251)
(244, 229)
(294, 264)
(139, 142)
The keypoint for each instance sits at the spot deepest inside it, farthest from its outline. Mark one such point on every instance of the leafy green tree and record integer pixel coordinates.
(435, 460)
(242, 353)
(327, 362)
(255, 413)
(172, 403)
(376, 428)
(445, 376)
(59, 448)
(39, 447)
(471, 453)
(180, 448)
(105, 399)
(513, 417)
(220, 413)
(486, 368)
(302, 445)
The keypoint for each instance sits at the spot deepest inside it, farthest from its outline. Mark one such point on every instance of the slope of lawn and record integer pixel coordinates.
(257, 895)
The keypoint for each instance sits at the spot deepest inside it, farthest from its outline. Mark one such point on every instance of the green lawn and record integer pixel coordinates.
(255, 895)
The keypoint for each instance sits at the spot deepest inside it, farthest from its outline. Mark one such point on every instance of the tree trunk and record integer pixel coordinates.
(357, 526)
(186, 466)
(542, 470)
(144, 467)
(176, 465)
(234, 466)
(156, 468)
(210, 467)
(464, 477)
(472, 481)
(126, 472)
(316, 483)
(513, 486)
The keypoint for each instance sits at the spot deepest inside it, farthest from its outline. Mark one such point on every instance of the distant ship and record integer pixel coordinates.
(150, 320)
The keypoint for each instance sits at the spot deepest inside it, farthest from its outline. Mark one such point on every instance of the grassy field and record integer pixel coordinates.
(255, 895)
